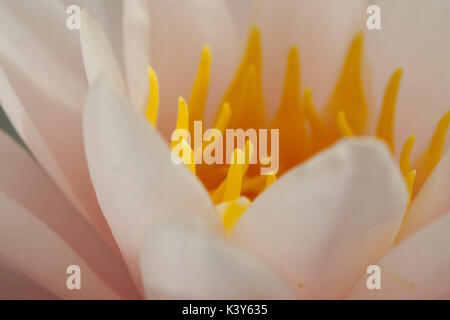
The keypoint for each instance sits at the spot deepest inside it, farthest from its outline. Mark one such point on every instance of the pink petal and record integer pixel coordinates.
(137, 49)
(182, 260)
(413, 36)
(15, 286)
(42, 87)
(322, 223)
(431, 201)
(134, 177)
(40, 232)
(417, 268)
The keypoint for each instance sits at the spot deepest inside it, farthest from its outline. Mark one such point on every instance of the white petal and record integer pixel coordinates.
(417, 268)
(54, 137)
(181, 260)
(15, 286)
(110, 15)
(98, 56)
(321, 29)
(42, 207)
(134, 177)
(40, 253)
(179, 30)
(40, 55)
(325, 221)
(414, 37)
(136, 38)
(431, 201)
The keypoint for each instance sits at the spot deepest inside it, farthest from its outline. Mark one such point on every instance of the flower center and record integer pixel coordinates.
(302, 130)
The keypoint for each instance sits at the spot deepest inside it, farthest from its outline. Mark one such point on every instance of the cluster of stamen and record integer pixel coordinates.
(302, 130)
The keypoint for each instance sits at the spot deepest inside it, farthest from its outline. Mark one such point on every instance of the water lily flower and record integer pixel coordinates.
(364, 168)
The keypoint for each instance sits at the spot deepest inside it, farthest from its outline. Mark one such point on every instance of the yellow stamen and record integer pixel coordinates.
(218, 194)
(235, 175)
(409, 178)
(348, 95)
(405, 156)
(434, 151)
(428, 160)
(385, 126)
(199, 91)
(182, 117)
(187, 155)
(344, 128)
(245, 91)
(288, 119)
(290, 100)
(250, 102)
(318, 129)
(252, 56)
(271, 178)
(224, 117)
(153, 97)
(254, 185)
(231, 212)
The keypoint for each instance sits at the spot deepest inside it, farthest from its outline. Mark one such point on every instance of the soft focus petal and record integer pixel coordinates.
(325, 221)
(15, 286)
(242, 12)
(39, 54)
(63, 159)
(413, 36)
(98, 56)
(34, 249)
(136, 38)
(43, 208)
(181, 260)
(110, 15)
(321, 29)
(417, 268)
(134, 177)
(179, 30)
(431, 201)
(42, 90)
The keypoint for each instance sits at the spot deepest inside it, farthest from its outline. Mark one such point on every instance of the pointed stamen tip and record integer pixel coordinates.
(398, 72)
(437, 141)
(224, 117)
(183, 114)
(410, 178)
(293, 60)
(150, 71)
(153, 96)
(153, 77)
(182, 103)
(405, 155)
(359, 37)
(254, 33)
(357, 44)
(226, 108)
(293, 52)
(343, 126)
(307, 95)
(206, 52)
